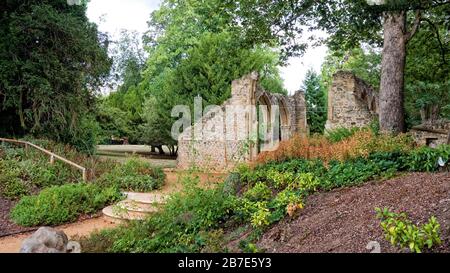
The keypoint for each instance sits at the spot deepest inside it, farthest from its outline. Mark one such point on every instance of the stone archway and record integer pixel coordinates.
(264, 115)
(285, 121)
(280, 118)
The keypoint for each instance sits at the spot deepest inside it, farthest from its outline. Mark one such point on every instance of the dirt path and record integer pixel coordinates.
(11, 244)
(344, 220)
(174, 181)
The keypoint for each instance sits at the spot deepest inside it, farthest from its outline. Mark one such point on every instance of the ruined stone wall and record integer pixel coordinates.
(432, 134)
(228, 139)
(351, 102)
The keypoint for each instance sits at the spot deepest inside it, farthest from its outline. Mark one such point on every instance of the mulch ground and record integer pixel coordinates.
(344, 220)
(7, 227)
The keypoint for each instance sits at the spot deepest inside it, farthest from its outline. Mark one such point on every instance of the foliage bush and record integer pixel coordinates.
(361, 144)
(62, 204)
(134, 175)
(340, 134)
(254, 197)
(19, 178)
(24, 172)
(186, 224)
(401, 232)
(425, 159)
(259, 192)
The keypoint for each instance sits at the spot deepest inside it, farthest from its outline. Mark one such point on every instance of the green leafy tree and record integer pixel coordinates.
(391, 24)
(426, 94)
(315, 102)
(195, 50)
(113, 122)
(127, 98)
(156, 129)
(363, 62)
(52, 60)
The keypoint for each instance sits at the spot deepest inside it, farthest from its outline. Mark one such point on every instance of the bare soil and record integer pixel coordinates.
(6, 225)
(344, 220)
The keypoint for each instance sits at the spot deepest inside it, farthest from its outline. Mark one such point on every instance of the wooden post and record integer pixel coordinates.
(53, 156)
(84, 175)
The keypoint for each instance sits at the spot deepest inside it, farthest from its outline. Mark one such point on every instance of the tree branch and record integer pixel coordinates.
(415, 27)
(438, 36)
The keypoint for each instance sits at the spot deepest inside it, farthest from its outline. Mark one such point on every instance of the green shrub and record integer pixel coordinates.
(280, 179)
(134, 175)
(21, 177)
(185, 224)
(425, 159)
(306, 182)
(346, 174)
(260, 218)
(251, 197)
(259, 192)
(340, 134)
(232, 184)
(62, 204)
(11, 186)
(401, 232)
(286, 202)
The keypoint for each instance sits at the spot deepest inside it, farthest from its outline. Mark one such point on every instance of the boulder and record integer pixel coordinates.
(49, 240)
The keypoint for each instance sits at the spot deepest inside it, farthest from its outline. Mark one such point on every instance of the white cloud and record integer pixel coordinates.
(134, 14)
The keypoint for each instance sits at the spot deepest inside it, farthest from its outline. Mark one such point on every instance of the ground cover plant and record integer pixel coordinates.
(24, 172)
(401, 232)
(254, 197)
(53, 194)
(134, 175)
(62, 204)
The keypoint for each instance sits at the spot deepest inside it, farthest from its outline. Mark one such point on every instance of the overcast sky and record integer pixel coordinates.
(114, 15)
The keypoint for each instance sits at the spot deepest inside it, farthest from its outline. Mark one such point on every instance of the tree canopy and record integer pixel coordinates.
(52, 61)
(315, 102)
(194, 49)
(349, 23)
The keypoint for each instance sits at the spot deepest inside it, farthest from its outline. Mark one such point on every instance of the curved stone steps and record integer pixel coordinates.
(146, 198)
(137, 206)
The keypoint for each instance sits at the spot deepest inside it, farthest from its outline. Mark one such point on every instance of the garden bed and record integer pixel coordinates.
(7, 227)
(344, 220)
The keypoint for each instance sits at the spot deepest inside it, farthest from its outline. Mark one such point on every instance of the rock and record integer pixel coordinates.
(49, 240)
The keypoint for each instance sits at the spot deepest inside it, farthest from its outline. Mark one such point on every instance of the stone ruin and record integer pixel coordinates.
(230, 134)
(354, 103)
(432, 133)
(230, 139)
(351, 102)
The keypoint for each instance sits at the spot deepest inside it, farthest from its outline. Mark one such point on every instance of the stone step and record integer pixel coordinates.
(118, 215)
(137, 206)
(133, 206)
(146, 198)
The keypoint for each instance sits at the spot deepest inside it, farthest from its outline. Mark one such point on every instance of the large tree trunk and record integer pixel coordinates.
(391, 112)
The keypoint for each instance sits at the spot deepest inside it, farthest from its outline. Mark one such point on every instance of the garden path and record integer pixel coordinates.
(11, 244)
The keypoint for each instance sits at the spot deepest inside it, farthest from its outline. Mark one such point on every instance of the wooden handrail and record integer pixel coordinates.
(53, 156)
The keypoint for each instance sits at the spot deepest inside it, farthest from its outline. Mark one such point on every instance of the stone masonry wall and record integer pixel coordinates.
(432, 134)
(226, 140)
(351, 102)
